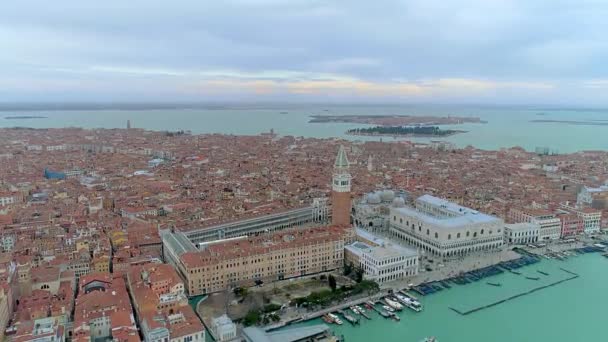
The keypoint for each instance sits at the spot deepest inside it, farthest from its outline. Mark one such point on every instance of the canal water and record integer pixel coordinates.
(574, 310)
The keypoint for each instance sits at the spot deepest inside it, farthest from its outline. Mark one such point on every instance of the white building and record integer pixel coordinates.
(8, 242)
(56, 147)
(7, 199)
(550, 227)
(223, 328)
(154, 162)
(380, 260)
(521, 233)
(445, 229)
(587, 194)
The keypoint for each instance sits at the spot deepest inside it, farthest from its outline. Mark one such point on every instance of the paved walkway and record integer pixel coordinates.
(311, 315)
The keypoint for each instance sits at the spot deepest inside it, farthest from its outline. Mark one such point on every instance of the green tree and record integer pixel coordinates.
(358, 274)
(348, 268)
(252, 317)
(332, 282)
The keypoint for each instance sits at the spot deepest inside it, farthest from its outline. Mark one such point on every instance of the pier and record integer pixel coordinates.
(464, 313)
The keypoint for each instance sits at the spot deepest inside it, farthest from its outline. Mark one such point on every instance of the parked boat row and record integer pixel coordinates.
(386, 311)
(350, 319)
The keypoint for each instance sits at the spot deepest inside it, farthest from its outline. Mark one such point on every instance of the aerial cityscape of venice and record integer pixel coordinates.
(192, 171)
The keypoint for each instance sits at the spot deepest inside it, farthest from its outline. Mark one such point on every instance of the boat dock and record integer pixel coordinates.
(352, 320)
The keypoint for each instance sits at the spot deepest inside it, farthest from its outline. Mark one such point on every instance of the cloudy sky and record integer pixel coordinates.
(477, 51)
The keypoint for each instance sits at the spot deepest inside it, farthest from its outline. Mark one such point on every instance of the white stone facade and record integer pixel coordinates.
(521, 233)
(550, 227)
(445, 229)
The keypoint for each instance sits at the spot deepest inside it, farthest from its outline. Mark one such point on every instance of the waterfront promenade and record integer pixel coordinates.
(296, 316)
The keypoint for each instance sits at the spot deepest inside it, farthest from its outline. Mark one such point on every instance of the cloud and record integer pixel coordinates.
(510, 51)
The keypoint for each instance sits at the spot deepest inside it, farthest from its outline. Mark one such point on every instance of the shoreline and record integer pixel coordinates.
(395, 120)
(572, 122)
(412, 135)
(541, 253)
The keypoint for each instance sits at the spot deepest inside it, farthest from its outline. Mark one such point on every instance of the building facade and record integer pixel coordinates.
(445, 229)
(596, 198)
(550, 225)
(270, 257)
(317, 213)
(380, 260)
(592, 218)
(521, 233)
(571, 225)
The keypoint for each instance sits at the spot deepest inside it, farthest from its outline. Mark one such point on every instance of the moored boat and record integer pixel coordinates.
(335, 319)
(430, 339)
(393, 304)
(409, 302)
(388, 308)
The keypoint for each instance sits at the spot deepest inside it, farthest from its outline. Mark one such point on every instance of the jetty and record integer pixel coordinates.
(352, 320)
(464, 313)
(382, 313)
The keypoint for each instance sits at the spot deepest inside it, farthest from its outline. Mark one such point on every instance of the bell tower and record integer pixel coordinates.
(340, 197)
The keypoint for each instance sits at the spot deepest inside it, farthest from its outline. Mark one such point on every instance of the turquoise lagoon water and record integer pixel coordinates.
(506, 127)
(574, 310)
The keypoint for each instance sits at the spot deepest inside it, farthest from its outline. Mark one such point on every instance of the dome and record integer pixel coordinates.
(399, 202)
(373, 198)
(387, 195)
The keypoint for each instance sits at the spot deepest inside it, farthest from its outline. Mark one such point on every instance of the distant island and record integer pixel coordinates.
(25, 117)
(399, 131)
(395, 120)
(573, 122)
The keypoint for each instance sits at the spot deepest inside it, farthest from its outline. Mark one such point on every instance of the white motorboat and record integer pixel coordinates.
(335, 318)
(388, 308)
(393, 304)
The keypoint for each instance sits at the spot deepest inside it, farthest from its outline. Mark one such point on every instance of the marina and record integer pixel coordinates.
(553, 297)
